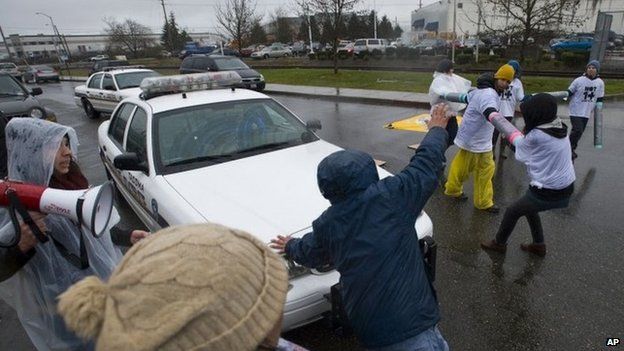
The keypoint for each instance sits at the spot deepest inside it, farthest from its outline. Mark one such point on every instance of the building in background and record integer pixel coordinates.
(436, 19)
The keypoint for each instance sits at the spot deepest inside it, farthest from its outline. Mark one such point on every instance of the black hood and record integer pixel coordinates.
(485, 80)
(541, 109)
(345, 173)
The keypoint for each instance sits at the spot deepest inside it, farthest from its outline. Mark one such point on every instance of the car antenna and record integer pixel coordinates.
(184, 95)
(233, 89)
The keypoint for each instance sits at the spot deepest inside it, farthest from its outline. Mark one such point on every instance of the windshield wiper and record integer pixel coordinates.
(11, 94)
(200, 159)
(264, 147)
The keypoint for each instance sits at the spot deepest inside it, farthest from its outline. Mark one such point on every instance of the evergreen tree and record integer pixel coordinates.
(370, 25)
(353, 26)
(398, 31)
(172, 39)
(384, 29)
(258, 34)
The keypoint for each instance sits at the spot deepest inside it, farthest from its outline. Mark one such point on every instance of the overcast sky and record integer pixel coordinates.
(86, 16)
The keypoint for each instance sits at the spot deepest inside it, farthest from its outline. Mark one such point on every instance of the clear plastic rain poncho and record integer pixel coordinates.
(32, 145)
(444, 84)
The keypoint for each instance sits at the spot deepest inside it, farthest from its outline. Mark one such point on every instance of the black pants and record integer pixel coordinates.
(578, 127)
(495, 138)
(528, 206)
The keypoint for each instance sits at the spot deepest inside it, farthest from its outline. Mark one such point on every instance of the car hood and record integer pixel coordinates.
(247, 73)
(266, 195)
(16, 105)
(130, 92)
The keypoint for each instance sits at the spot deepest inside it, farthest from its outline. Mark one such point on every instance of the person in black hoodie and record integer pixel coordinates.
(545, 149)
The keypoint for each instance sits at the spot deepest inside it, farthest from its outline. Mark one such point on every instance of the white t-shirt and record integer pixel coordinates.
(475, 132)
(511, 97)
(585, 91)
(548, 160)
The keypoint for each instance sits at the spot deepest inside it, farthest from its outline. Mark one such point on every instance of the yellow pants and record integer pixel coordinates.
(482, 165)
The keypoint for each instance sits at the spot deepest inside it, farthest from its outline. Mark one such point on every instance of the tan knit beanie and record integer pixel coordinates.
(196, 287)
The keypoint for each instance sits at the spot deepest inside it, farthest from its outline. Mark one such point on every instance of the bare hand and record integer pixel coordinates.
(28, 239)
(137, 235)
(279, 243)
(439, 116)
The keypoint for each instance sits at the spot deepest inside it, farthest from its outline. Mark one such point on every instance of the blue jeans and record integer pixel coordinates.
(429, 340)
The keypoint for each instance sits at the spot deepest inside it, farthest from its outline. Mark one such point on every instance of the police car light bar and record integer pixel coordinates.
(114, 68)
(156, 86)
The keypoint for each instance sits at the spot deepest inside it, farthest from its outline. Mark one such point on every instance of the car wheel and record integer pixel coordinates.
(89, 110)
(266, 56)
(286, 55)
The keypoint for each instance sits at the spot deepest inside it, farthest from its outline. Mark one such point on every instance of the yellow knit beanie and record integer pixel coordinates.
(505, 72)
(200, 286)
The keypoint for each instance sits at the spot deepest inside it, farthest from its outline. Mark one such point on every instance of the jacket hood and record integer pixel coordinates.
(345, 173)
(540, 111)
(485, 80)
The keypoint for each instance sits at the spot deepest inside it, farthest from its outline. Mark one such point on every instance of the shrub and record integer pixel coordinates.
(573, 60)
(463, 59)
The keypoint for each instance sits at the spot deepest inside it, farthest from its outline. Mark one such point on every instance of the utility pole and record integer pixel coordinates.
(309, 29)
(6, 44)
(167, 26)
(478, 31)
(454, 30)
(375, 18)
(56, 37)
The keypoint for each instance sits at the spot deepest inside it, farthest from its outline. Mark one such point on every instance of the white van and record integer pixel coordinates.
(369, 46)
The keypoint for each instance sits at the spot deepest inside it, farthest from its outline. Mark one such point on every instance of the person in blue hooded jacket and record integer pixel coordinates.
(368, 235)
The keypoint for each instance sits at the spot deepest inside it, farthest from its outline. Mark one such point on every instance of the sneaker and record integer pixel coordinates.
(461, 197)
(493, 209)
(492, 245)
(536, 249)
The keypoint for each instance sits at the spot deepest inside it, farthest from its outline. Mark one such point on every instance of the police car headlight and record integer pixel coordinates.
(36, 112)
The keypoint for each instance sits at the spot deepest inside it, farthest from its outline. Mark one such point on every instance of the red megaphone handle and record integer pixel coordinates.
(29, 194)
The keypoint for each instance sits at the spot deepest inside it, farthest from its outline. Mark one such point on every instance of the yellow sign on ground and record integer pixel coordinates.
(417, 123)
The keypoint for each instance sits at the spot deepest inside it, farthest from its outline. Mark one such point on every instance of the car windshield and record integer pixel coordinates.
(203, 135)
(224, 64)
(9, 87)
(133, 79)
(360, 42)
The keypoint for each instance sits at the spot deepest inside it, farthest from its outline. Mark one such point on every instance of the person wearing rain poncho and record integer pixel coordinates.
(32, 273)
(445, 82)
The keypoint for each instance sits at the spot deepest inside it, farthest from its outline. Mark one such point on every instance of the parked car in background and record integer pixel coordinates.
(299, 48)
(251, 79)
(10, 68)
(472, 43)
(345, 49)
(432, 47)
(40, 73)
(16, 100)
(103, 64)
(246, 52)
(272, 51)
(368, 46)
(196, 50)
(103, 90)
(98, 57)
(577, 44)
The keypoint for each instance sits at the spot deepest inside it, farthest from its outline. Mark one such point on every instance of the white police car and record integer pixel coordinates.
(182, 154)
(104, 90)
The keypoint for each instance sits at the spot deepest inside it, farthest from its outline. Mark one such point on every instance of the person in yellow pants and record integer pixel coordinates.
(474, 140)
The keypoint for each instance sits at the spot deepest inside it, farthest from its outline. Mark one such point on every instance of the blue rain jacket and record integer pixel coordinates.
(368, 234)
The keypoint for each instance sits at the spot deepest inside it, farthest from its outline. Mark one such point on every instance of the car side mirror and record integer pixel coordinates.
(314, 125)
(36, 91)
(130, 161)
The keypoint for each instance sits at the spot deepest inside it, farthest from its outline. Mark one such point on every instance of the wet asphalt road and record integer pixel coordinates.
(573, 299)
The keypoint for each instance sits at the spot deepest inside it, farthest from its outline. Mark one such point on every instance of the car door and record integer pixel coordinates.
(108, 93)
(140, 182)
(94, 87)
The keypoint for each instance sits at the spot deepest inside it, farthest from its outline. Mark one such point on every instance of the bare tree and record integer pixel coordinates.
(333, 13)
(528, 18)
(237, 18)
(129, 35)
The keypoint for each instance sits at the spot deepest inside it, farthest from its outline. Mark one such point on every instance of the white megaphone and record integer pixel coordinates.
(91, 207)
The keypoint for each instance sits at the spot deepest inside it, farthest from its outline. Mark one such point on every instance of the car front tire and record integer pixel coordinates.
(89, 109)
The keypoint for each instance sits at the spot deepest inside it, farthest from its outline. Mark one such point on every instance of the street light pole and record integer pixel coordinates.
(375, 18)
(310, 29)
(454, 30)
(54, 41)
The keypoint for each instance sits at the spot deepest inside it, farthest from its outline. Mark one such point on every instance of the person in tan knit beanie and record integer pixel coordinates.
(196, 287)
